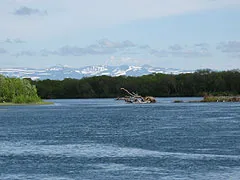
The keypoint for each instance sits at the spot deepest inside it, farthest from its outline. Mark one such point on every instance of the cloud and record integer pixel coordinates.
(236, 56)
(202, 45)
(70, 50)
(159, 53)
(25, 53)
(189, 53)
(26, 11)
(77, 51)
(144, 47)
(102, 47)
(176, 50)
(19, 41)
(105, 43)
(175, 47)
(131, 52)
(75, 15)
(10, 41)
(45, 52)
(118, 60)
(2, 51)
(124, 48)
(231, 48)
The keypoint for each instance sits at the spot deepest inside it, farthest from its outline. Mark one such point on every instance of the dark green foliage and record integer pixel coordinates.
(17, 90)
(200, 83)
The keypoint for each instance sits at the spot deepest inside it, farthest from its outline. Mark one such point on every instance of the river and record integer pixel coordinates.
(107, 139)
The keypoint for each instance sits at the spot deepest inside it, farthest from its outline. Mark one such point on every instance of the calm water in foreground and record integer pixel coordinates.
(107, 139)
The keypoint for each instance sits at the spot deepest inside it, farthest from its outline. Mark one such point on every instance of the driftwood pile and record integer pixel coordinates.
(135, 98)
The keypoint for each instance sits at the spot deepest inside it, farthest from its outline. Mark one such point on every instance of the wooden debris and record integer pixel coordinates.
(135, 98)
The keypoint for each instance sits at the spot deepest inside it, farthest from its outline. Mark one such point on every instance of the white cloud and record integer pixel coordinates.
(17, 40)
(66, 16)
(232, 48)
(2, 51)
(102, 47)
(25, 53)
(26, 11)
(105, 43)
(119, 60)
(229, 47)
(197, 51)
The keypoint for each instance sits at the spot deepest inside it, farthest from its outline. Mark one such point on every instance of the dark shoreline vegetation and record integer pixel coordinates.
(18, 91)
(197, 84)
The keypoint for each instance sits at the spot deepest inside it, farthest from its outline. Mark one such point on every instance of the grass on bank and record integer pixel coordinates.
(211, 98)
(25, 104)
(221, 99)
(24, 100)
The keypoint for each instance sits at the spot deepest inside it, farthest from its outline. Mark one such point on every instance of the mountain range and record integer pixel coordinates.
(60, 72)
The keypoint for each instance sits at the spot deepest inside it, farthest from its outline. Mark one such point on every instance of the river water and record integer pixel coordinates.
(106, 139)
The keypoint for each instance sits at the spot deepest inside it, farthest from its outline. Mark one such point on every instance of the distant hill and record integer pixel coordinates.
(60, 72)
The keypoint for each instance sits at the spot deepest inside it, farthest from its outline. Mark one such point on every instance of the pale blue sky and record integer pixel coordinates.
(185, 34)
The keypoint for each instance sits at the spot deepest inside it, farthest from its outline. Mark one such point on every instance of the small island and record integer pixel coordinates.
(16, 91)
(211, 98)
(221, 99)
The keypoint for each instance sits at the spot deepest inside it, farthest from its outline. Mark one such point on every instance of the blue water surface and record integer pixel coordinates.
(108, 139)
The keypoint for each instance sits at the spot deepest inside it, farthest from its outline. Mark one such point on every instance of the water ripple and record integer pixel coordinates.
(92, 150)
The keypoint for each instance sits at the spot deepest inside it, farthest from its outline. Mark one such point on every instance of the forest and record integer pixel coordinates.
(199, 83)
(16, 90)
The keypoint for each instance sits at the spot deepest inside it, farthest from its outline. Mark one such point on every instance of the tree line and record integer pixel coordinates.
(16, 90)
(199, 83)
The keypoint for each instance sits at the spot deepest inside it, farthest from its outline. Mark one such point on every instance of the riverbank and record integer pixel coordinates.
(207, 99)
(25, 104)
(221, 99)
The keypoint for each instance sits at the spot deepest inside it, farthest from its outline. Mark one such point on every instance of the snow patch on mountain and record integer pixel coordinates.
(60, 72)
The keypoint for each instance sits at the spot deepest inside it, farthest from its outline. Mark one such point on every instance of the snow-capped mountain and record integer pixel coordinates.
(60, 72)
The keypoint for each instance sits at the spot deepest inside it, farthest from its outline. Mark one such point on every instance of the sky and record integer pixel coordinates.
(183, 34)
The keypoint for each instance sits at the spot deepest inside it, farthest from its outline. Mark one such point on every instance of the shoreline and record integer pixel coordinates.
(213, 99)
(26, 104)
